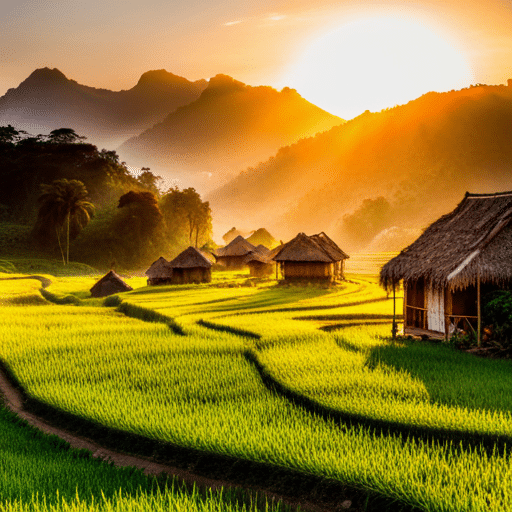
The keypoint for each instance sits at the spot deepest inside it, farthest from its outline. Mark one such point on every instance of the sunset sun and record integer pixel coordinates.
(377, 63)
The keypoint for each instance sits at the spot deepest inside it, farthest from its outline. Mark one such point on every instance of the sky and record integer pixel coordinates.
(318, 48)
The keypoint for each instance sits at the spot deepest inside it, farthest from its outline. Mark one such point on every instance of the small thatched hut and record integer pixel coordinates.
(233, 255)
(191, 266)
(310, 257)
(160, 272)
(108, 285)
(259, 262)
(458, 259)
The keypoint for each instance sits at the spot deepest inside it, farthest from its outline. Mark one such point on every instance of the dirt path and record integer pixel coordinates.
(14, 401)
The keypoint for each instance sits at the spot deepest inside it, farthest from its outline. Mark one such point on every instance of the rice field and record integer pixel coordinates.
(328, 345)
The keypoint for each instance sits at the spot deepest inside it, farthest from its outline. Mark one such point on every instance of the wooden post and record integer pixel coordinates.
(479, 329)
(394, 329)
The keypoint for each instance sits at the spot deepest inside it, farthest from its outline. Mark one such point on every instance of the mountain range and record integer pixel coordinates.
(229, 127)
(48, 100)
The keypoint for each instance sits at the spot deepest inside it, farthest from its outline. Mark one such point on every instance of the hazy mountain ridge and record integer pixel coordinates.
(421, 157)
(47, 100)
(230, 126)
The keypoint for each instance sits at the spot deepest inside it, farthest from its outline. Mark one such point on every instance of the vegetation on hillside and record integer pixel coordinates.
(417, 160)
(58, 184)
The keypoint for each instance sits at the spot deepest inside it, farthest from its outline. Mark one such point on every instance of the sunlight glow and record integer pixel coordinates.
(377, 63)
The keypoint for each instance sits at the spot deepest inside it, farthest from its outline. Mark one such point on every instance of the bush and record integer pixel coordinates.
(498, 313)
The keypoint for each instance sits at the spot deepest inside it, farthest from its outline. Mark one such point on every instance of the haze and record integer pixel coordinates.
(110, 44)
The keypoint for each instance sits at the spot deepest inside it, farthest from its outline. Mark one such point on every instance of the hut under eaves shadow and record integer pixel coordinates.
(109, 284)
(191, 266)
(315, 257)
(457, 260)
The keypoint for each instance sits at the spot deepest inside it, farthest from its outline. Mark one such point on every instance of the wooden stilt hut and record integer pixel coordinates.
(160, 272)
(314, 257)
(191, 266)
(109, 284)
(458, 259)
(233, 255)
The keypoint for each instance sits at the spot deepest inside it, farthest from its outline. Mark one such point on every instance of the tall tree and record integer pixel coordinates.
(188, 218)
(64, 203)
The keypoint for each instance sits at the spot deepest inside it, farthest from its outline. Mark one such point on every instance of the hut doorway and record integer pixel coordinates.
(435, 309)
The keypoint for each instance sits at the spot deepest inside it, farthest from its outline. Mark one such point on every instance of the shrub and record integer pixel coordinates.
(498, 313)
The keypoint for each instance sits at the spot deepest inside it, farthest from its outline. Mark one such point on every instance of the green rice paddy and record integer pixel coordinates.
(197, 373)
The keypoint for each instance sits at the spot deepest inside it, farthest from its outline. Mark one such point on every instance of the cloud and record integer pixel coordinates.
(276, 17)
(231, 23)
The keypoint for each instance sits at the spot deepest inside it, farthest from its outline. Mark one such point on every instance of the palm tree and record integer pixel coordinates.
(62, 203)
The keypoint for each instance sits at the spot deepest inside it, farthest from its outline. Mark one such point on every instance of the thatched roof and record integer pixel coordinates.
(237, 247)
(257, 257)
(160, 269)
(330, 247)
(316, 248)
(109, 284)
(191, 258)
(475, 239)
(262, 249)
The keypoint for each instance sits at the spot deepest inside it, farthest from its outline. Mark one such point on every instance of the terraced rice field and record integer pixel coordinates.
(297, 377)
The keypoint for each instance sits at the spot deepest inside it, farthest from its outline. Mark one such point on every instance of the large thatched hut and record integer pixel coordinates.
(233, 255)
(191, 266)
(160, 272)
(108, 285)
(457, 260)
(314, 257)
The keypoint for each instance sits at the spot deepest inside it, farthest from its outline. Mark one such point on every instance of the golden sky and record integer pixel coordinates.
(110, 44)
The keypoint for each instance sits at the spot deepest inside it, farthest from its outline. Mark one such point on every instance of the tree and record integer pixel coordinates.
(188, 218)
(63, 203)
(65, 136)
(138, 227)
(9, 135)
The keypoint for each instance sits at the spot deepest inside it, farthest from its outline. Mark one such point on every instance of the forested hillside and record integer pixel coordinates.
(400, 167)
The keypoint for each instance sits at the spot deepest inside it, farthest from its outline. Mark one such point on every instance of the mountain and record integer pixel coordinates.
(402, 167)
(229, 127)
(47, 100)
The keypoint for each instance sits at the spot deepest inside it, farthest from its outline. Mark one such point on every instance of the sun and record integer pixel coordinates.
(377, 63)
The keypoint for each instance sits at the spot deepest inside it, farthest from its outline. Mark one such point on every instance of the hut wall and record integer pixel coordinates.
(414, 304)
(258, 269)
(435, 307)
(232, 262)
(191, 275)
(159, 280)
(307, 270)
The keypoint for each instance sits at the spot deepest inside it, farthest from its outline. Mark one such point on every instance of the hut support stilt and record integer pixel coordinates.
(479, 328)
(394, 328)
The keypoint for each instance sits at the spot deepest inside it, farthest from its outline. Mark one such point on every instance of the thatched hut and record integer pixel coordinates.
(314, 257)
(160, 272)
(259, 262)
(191, 266)
(109, 284)
(457, 259)
(233, 255)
